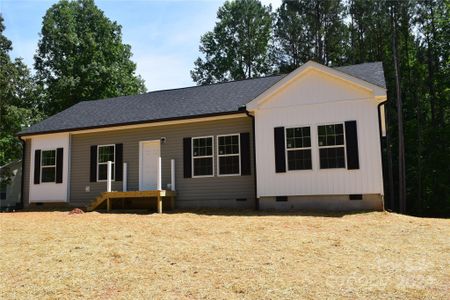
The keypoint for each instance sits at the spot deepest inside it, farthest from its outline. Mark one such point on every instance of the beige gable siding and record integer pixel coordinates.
(191, 192)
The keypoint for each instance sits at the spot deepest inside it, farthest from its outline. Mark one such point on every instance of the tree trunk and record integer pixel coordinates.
(401, 142)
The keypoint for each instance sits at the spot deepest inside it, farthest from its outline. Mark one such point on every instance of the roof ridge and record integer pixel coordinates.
(215, 83)
(183, 88)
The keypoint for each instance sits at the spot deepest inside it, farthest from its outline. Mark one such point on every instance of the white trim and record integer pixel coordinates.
(206, 156)
(333, 146)
(286, 149)
(379, 92)
(225, 155)
(141, 169)
(106, 163)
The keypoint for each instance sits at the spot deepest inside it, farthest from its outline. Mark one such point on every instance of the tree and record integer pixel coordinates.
(310, 29)
(293, 44)
(398, 94)
(238, 46)
(81, 56)
(18, 99)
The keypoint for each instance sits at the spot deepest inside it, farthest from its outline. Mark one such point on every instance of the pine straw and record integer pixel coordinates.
(230, 256)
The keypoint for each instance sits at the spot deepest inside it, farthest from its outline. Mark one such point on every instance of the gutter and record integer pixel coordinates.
(254, 159)
(22, 182)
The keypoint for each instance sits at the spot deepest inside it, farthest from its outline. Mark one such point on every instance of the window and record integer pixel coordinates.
(105, 153)
(298, 146)
(202, 156)
(331, 146)
(48, 166)
(228, 154)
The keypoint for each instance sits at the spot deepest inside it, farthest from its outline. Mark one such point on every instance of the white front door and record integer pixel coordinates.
(150, 152)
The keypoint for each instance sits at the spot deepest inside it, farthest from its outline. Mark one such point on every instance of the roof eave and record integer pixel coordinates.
(24, 134)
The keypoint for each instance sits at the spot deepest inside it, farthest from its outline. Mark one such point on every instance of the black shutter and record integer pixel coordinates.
(245, 153)
(119, 162)
(59, 165)
(280, 156)
(94, 163)
(37, 166)
(187, 157)
(351, 138)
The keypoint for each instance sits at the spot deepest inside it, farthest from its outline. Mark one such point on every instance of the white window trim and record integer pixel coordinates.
(48, 166)
(286, 149)
(113, 167)
(225, 155)
(205, 156)
(334, 146)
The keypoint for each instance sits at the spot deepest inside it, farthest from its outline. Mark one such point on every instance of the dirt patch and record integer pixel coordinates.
(76, 211)
(226, 256)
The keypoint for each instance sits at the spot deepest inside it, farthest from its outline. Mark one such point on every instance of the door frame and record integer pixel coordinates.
(141, 159)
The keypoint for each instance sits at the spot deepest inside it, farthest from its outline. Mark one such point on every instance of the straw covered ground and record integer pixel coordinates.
(222, 256)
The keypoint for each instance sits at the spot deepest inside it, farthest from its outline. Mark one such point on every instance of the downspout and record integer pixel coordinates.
(254, 158)
(380, 128)
(22, 187)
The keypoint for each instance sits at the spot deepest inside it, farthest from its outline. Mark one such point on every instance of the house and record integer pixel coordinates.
(306, 140)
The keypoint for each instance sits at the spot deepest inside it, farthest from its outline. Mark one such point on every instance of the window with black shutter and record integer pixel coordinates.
(48, 165)
(228, 154)
(298, 147)
(105, 153)
(331, 141)
(202, 156)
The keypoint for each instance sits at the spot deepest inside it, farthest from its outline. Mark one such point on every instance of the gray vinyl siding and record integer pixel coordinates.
(191, 192)
(27, 173)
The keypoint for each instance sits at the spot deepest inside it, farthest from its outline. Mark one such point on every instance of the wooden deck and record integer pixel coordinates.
(159, 195)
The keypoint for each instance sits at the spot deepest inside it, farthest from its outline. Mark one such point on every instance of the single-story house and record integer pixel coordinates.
(310, 139)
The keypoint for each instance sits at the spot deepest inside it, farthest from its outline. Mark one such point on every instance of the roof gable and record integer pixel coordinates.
(332, 74)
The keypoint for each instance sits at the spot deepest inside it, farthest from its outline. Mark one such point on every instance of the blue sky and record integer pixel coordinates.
(164, 35)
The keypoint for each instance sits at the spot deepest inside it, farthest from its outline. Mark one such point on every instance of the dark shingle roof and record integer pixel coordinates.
(370, 72)
(159, 105)
(187, 102)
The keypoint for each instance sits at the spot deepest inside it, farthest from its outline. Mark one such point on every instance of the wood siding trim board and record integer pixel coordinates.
(191, 192)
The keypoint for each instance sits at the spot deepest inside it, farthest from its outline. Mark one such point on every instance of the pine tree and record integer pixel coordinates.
(238, 46)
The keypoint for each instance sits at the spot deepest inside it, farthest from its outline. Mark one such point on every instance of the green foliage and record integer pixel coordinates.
(18, 101)
(81, 57)
(238, 46)
(310, 30)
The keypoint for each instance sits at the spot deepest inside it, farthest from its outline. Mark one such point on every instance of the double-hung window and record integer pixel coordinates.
(105, 153)
(48, 166)
(298, 147)
(228, 154)
(202, 156)
(331, 146)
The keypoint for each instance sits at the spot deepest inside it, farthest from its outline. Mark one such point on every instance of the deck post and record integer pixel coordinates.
(108, 176)
(158, 179)
(159, 204)
(124, 177)
(172, 174)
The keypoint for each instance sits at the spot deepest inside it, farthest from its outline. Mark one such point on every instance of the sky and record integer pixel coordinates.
(164, 35)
